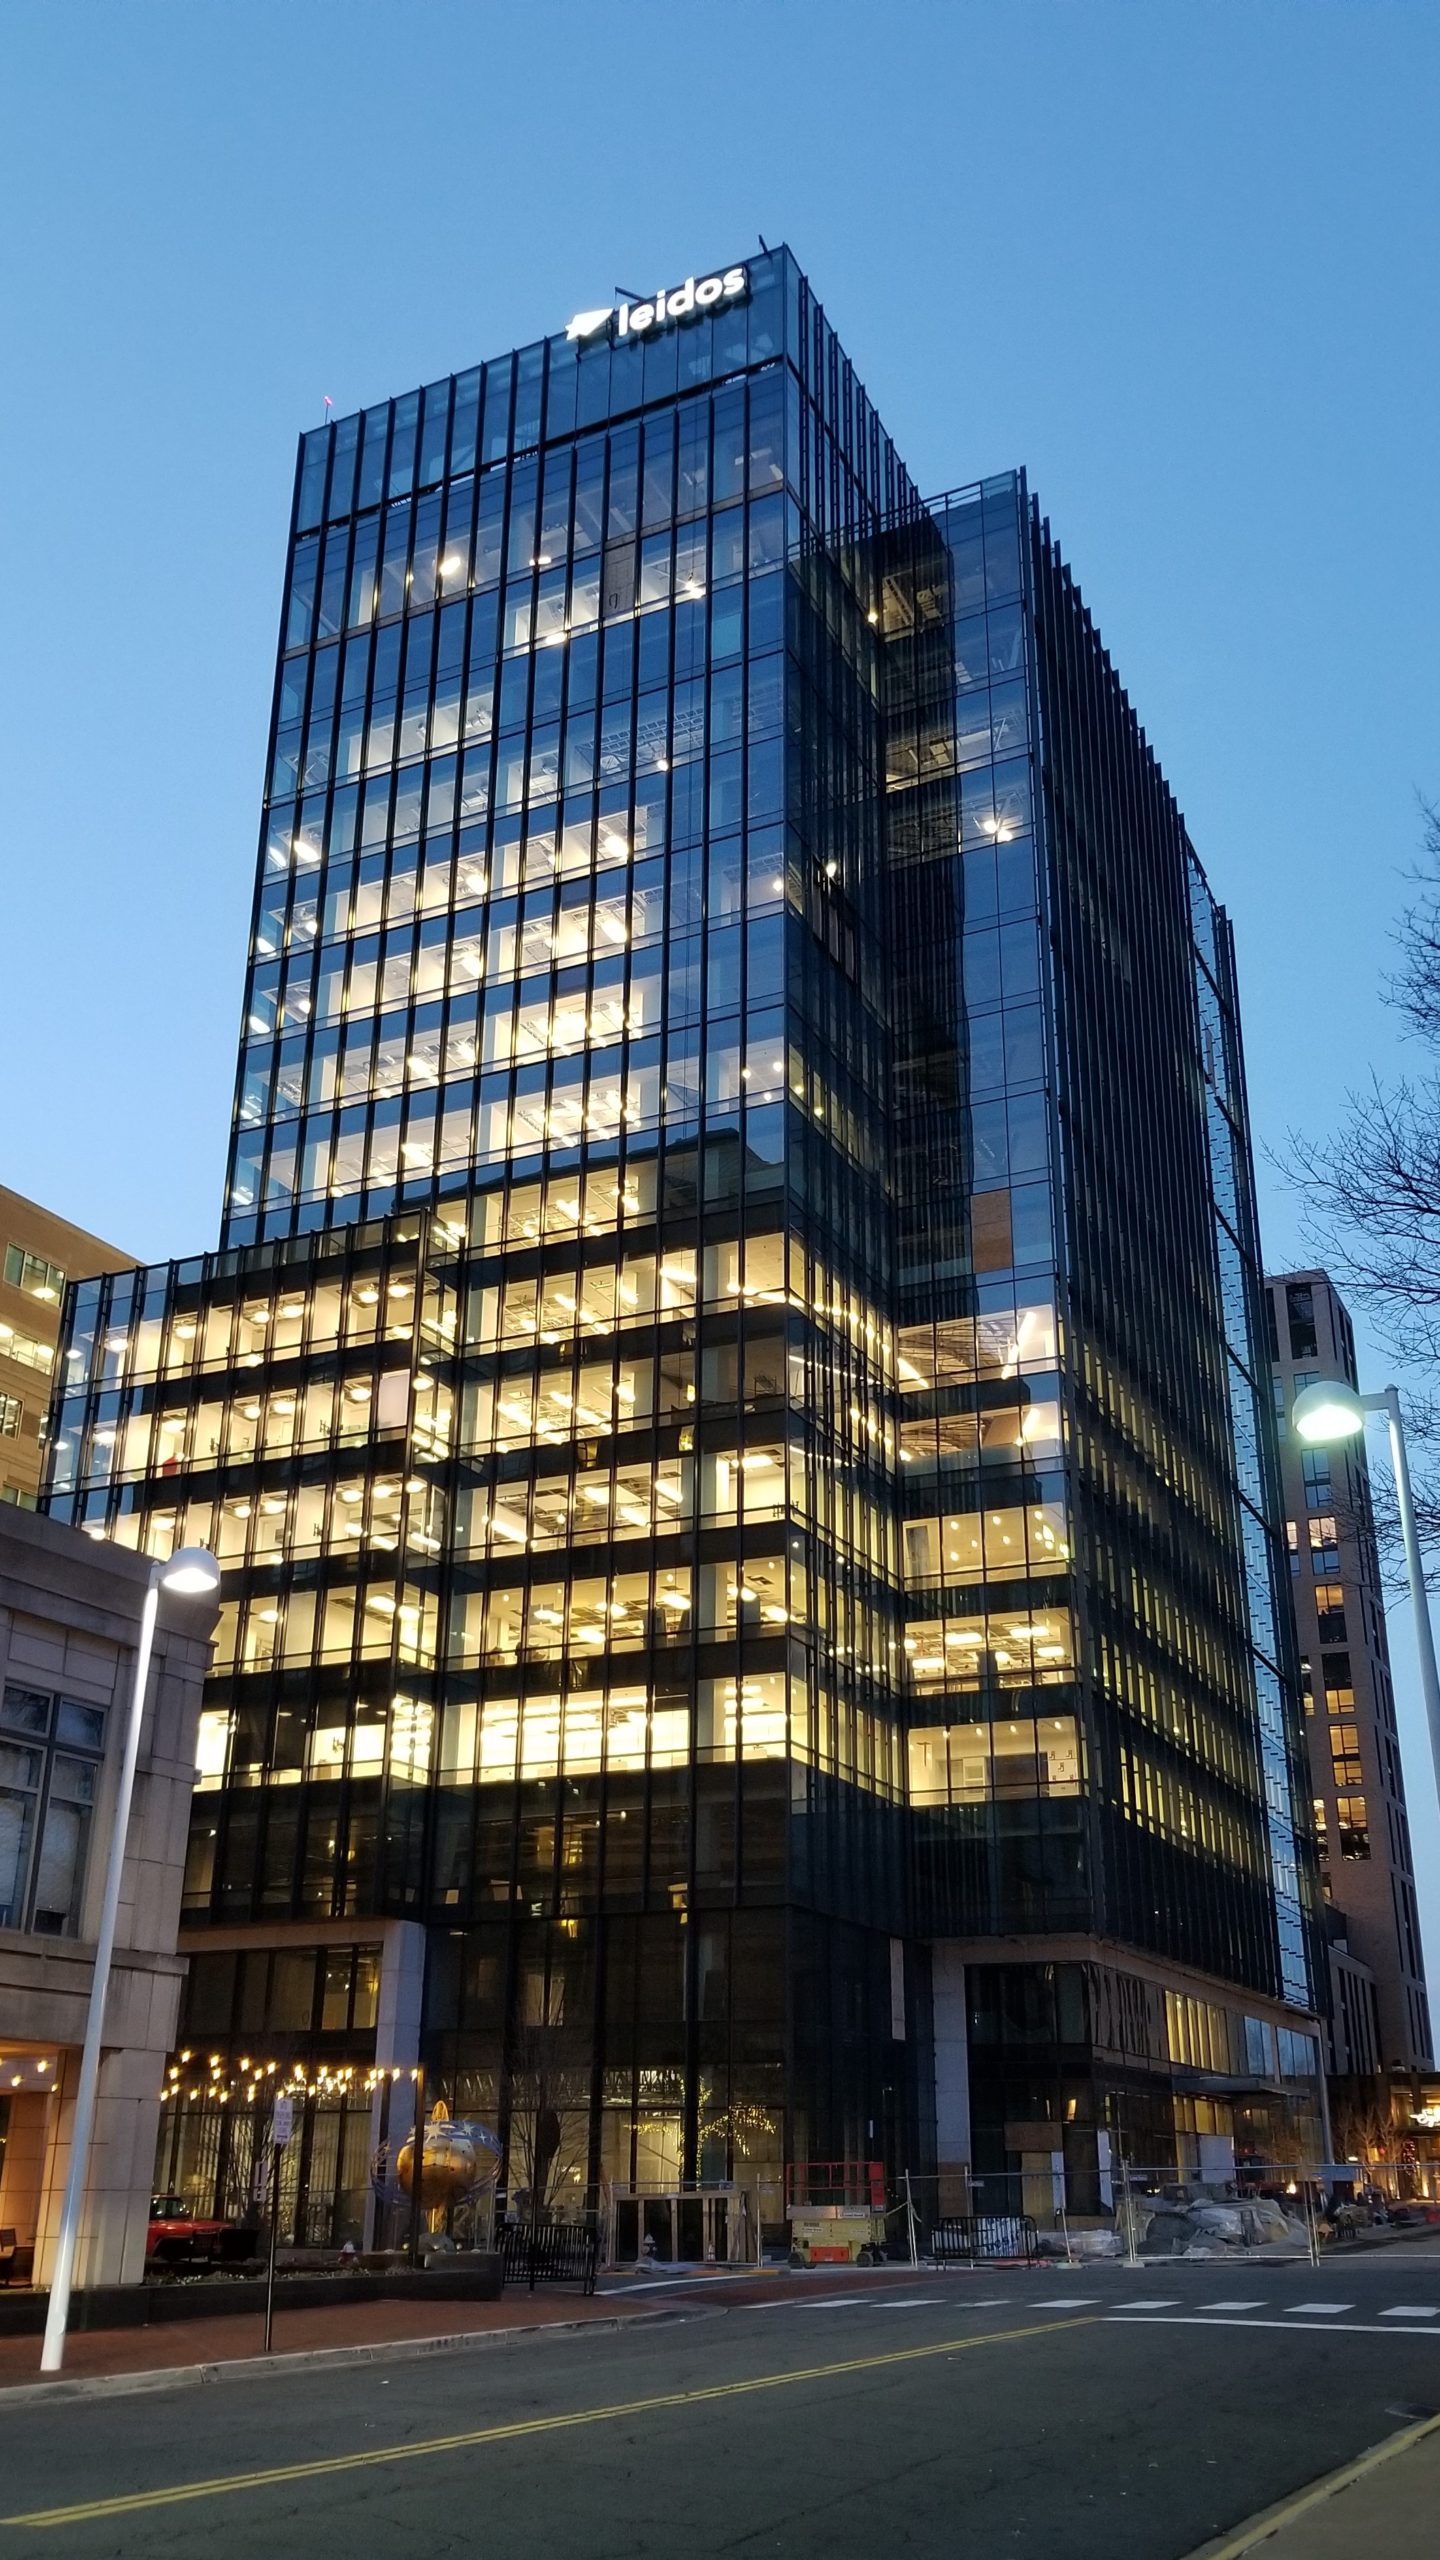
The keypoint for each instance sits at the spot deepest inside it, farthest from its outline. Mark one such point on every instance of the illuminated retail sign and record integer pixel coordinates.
(687, 301)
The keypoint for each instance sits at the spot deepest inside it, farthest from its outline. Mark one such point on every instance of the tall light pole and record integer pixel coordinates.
(1331, 1411)
(192, 1572)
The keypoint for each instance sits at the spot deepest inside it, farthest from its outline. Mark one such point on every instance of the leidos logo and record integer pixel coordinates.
(687, 301)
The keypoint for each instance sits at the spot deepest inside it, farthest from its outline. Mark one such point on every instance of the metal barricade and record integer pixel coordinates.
(976, 2237)
(549, 2253)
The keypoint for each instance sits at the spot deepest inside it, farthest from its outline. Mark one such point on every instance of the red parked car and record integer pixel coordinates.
(175, 2238)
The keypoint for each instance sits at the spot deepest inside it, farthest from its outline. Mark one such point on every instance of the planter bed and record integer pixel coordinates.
(143, 2306)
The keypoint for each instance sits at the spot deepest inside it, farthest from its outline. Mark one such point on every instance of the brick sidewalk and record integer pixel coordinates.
(174, 2344)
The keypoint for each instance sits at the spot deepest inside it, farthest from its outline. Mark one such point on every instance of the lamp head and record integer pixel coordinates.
(1330, 1410)
(191, 1572)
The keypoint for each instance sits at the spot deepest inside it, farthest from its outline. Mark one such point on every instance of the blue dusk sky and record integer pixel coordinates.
(1179, 260)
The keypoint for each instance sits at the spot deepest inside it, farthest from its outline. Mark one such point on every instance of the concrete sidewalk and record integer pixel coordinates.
(1387, 2502)
(200, 2350)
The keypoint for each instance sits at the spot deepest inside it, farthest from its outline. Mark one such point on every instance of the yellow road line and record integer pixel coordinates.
(1261, 2527)
(140, 2501)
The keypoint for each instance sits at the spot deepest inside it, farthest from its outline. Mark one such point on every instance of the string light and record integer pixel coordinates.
(248, 2079)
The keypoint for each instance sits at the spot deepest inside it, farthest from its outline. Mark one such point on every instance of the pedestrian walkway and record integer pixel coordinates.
(178, 2345)
(1387, 2502)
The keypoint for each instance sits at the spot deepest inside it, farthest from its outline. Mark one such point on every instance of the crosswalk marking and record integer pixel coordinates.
(1196, 2320)
(1274, 2311)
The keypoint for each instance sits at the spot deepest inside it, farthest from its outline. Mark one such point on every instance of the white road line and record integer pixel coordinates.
(1316, 2310)
(1230, 2306)
(841, 2302)
(1066, 2302)
(1167, 2303)
(668, 2284)
(1412, 2311)
(878, 2301)
(1186, 2320)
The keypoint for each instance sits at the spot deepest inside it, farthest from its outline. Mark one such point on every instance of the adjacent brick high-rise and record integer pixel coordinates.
(1356, 1777)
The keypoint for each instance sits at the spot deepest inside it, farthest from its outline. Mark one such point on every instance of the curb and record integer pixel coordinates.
(308, 2360)
(1375, 2244)
(1331, 2484)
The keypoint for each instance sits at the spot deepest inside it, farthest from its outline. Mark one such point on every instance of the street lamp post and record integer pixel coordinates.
(1331, 1411)
(193, 1571)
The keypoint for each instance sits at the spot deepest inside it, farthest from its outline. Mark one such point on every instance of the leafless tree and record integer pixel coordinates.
(1361, 2125)
(549, 2091)
(1371, 1188)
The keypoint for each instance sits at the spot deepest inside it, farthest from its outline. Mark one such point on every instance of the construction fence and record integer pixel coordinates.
(852, 2213)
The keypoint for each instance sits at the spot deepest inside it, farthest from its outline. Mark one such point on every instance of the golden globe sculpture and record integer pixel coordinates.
(456, 2159)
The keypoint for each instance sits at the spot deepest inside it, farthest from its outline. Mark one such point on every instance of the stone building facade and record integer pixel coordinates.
(69, 1622)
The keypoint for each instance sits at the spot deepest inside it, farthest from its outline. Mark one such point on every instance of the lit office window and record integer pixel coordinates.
(15, 1344)
(32, 1273)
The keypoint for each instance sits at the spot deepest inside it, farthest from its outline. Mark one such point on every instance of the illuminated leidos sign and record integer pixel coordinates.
(687, 301)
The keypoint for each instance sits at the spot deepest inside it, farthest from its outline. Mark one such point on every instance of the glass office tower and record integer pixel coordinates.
(1102, 1691)
(717, 1397)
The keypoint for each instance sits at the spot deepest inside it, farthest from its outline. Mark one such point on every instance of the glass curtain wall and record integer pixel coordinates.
(996, 1747)
(1179, 1798)
(569, 931)
(285, 1410)
(1275, 1665)
(1099, 1709)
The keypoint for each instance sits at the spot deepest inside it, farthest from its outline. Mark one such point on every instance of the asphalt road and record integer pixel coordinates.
(1107, 2414)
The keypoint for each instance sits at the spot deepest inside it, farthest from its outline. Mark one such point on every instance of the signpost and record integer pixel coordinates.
(417, 2165)
(282, 2125)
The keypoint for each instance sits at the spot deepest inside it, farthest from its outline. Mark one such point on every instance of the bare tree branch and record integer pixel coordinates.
(1414, 989)
(1371, 1188)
